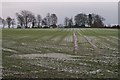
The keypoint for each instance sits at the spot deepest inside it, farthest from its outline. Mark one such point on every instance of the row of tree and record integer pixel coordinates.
(83, 20)
(9, 21)
(26, 19)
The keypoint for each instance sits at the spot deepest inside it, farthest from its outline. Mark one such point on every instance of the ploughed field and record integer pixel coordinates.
(51, 53)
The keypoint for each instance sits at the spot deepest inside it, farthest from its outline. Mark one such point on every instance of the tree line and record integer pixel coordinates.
(83, 20)
(27, 19)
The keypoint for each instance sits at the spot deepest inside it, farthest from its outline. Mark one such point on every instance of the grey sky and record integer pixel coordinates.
(108, 10)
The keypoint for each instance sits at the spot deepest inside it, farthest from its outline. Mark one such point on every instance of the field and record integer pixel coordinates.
(51, 53)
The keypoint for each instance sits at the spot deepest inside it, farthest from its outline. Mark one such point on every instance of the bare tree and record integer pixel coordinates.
(8, 20)
(39, 19)
(33, 20)
(20, 19)
(66, 21)
(13, 23)
(70, 22)
(44, 21)
(53, 20)
(3, 22)
(90, 20)
(27, 17)
(48, 19)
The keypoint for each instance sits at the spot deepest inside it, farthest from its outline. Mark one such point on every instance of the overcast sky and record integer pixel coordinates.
(108, 10)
